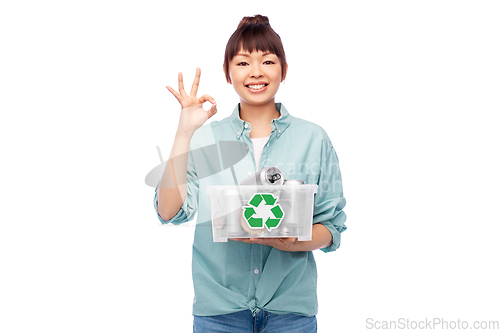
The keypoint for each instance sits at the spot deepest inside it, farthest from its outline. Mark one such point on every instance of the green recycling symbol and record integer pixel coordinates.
(262, 208)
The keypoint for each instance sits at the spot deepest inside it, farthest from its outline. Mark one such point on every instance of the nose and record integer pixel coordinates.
(256, 72)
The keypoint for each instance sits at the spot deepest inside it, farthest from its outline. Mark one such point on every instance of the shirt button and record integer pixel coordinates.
(239, 133)
(249, 173)
(279, 131)
(256, 271)
(246, 125)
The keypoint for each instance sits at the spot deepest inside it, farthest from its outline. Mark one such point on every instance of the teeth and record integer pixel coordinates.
(256, 86)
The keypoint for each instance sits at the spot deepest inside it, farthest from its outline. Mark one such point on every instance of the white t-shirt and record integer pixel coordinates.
(258, 146)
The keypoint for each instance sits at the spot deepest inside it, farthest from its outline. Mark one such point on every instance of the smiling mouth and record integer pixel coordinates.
(256, 86)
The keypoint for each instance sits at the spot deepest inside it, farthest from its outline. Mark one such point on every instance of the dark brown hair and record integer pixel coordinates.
(254, 33)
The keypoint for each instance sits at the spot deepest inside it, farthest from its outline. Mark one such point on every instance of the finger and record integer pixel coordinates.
(212, 111)
(288, 240)
(196, 83)
(181, 85)
(261, 241)
(175, 93)
(243, 240)
(207, 98)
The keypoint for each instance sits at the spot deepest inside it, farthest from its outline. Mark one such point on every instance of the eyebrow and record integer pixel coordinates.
(248, 55)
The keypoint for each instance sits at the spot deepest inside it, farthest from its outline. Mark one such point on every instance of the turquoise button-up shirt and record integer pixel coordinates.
(234, 276)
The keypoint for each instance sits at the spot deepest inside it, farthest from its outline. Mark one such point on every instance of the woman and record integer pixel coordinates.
(261, 284)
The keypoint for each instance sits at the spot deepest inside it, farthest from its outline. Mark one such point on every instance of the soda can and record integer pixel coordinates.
(293, 182)
(265, 176)
(289, 197)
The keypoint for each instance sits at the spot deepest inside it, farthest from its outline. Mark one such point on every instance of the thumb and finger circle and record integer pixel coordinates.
(208, 98)
(181, 95)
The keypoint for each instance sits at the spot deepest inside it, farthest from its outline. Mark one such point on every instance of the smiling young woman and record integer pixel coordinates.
(244, 284)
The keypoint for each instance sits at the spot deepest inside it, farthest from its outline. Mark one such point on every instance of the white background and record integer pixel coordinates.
(408, 92)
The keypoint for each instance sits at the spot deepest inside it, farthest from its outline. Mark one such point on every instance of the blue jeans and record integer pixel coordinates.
(263, 321)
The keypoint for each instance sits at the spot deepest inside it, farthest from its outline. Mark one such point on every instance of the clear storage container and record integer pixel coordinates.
(248, 211)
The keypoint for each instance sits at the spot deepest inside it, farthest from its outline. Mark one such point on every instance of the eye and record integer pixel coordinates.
(242, 63)
(269, 62)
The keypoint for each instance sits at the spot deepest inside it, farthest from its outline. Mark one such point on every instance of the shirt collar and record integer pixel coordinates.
(280, 124)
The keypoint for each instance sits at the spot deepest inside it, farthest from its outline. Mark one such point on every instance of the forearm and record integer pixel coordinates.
(321, 238)
(173, 188)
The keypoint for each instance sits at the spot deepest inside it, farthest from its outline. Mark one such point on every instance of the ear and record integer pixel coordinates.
(284, 76)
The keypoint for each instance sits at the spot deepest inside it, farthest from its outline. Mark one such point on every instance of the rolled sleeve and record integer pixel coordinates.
(189, 207)
(329, 201)
(335, 230)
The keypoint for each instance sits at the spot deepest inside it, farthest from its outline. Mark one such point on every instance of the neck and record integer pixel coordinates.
(260, 117)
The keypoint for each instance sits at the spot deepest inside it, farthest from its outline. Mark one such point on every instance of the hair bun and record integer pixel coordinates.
(257, 19)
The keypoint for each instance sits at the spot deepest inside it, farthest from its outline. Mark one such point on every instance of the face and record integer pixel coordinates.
(255, 76)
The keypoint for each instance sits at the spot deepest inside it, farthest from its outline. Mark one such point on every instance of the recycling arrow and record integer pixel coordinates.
(262, 206)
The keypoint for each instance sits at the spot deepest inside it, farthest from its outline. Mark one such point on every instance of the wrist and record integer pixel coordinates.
(320, 238)
(184, 135)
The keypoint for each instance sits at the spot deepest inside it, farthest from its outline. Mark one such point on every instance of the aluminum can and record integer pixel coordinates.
(293, 182)
(265, 176)
(289, 197)
(289, 193)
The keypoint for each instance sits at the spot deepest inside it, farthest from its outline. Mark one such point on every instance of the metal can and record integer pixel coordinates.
(289, 197)
(289, 192)
(265, 176)
(293, 182)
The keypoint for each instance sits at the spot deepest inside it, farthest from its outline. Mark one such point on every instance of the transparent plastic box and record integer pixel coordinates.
(255, 211)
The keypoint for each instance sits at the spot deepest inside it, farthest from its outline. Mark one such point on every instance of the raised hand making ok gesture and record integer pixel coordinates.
(192, 114)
